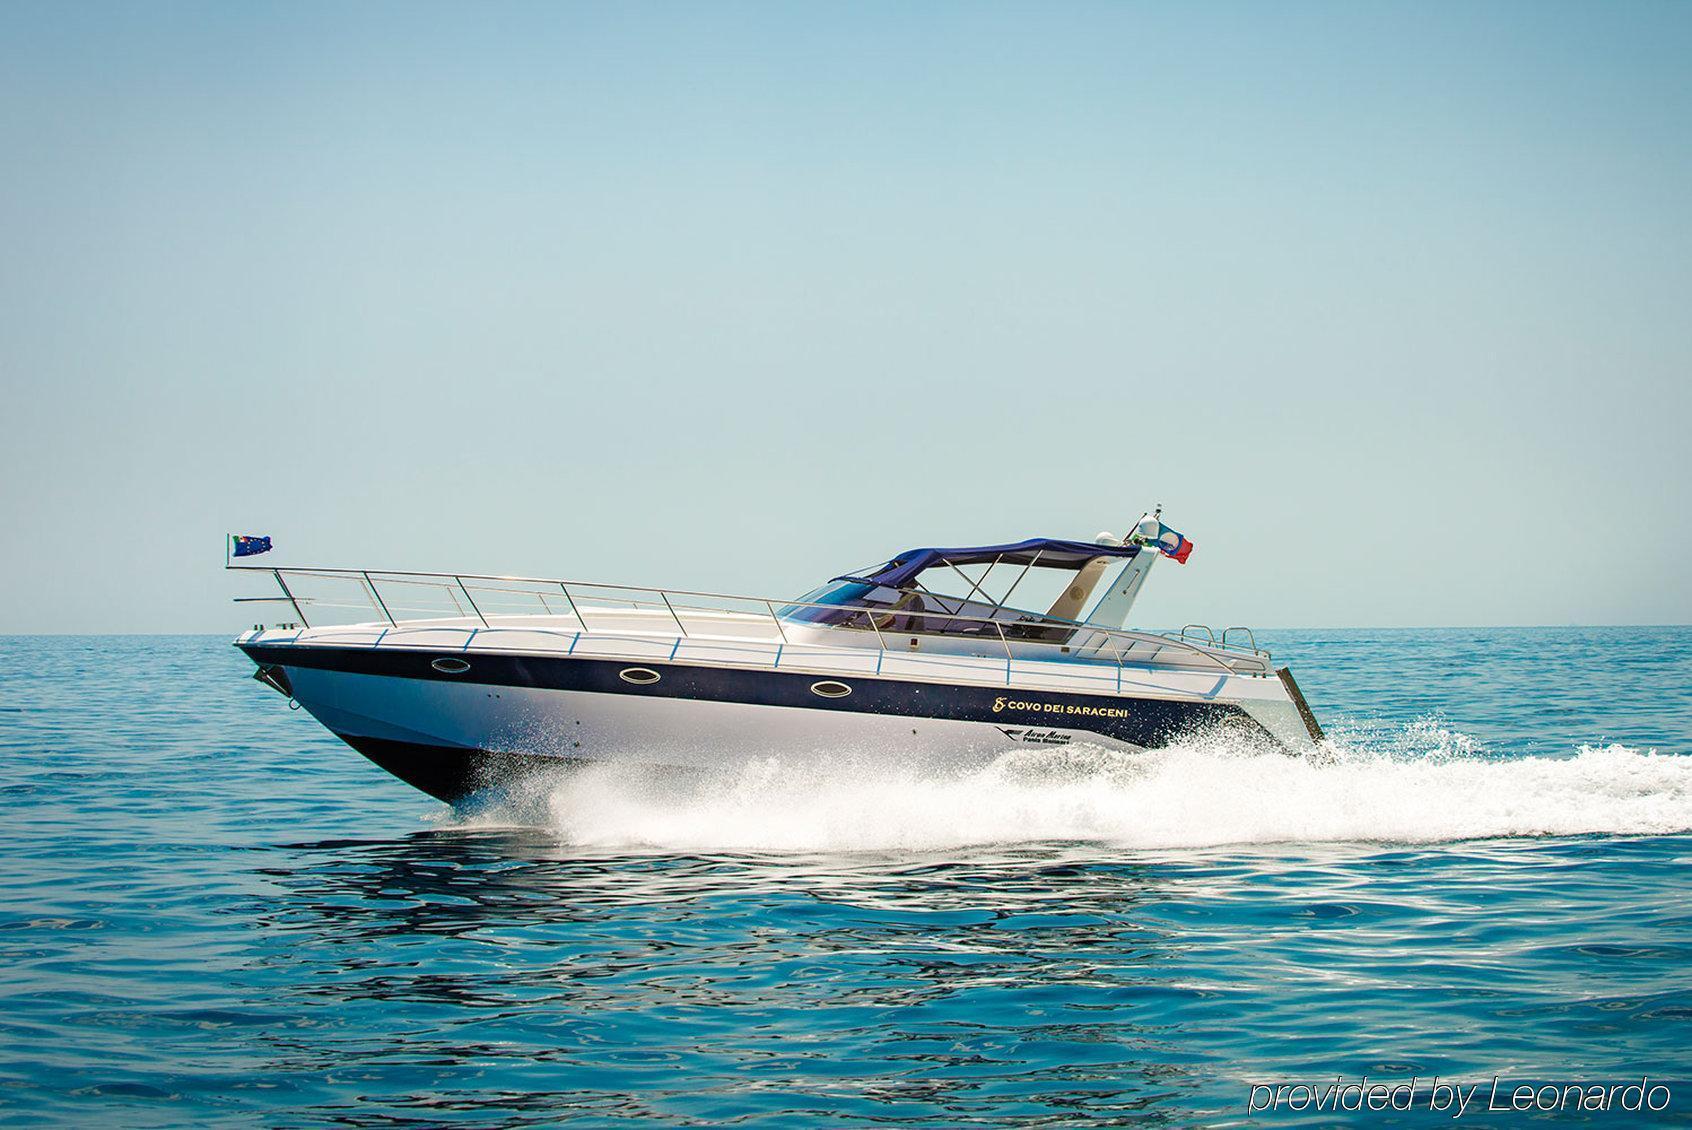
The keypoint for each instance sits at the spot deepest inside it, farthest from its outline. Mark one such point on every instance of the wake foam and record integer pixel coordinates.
(1418, 784)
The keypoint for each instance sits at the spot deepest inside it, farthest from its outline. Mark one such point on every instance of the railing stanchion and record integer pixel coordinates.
(577, 612)
(463, 589)
(870, 615)
(782, 632)
(375, 592)
(665, 597)
(1120, 663)
(277, 573)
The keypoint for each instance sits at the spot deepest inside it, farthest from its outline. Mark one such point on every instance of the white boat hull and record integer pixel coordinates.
(455, 722)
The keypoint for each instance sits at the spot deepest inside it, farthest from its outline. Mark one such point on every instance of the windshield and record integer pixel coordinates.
(836, 593)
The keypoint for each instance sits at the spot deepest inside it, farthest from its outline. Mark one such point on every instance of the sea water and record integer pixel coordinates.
(214, 912)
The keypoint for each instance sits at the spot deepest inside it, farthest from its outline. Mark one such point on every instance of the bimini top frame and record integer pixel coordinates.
(1047, 553)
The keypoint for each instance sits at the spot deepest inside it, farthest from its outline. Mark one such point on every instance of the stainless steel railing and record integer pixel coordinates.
(575, 599)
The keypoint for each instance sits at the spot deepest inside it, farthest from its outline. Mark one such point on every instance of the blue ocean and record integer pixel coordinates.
(215, 913)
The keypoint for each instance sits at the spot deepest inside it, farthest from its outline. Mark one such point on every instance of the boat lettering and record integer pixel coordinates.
(1001, 703)
(1036, 737)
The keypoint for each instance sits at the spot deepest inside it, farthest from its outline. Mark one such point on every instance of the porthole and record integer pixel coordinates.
(639, 676)
(447, 665)
(828, 688)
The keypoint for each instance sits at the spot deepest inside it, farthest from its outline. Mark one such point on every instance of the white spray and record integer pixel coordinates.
(1423, 785)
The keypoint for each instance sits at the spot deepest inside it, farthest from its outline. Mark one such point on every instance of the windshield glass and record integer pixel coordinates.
(836, 593)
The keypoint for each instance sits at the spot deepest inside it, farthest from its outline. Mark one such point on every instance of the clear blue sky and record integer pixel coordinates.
(1391, 305)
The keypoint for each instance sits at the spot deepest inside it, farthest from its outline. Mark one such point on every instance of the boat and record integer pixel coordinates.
(937, 657)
